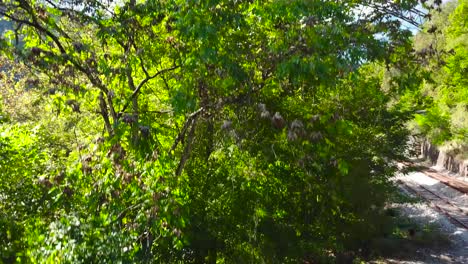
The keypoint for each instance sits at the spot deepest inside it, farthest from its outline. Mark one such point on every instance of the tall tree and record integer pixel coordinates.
(235, 130)
(442, 47)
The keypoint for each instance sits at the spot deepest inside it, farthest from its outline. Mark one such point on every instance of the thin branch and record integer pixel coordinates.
(151, 111)
(395, 12)
(59, 46)
(148, 78)
(182, 133)
(126, 210)
(38, 27)
(188, 148)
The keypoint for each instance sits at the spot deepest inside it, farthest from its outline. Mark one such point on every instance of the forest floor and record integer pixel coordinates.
(426, 234)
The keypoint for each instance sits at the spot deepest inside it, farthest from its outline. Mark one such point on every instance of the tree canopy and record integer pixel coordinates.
(442, 46)
(209, 131)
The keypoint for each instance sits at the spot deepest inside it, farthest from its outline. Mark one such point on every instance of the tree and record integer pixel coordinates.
(442, 47)
(234, 131)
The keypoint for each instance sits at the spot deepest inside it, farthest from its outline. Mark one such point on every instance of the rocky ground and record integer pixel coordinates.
(431, 237)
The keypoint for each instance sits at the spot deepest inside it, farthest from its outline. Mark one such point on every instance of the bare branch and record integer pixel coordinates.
(188, 148)
(181, 135)
(148, 78)
(412, 16)
(38, 27)
(153, 111)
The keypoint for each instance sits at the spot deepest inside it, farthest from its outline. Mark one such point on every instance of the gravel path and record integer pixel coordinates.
(456, 197)
(440, 169)
(423, 214)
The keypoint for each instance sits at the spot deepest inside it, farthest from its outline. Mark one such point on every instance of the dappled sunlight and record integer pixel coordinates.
(226, 131)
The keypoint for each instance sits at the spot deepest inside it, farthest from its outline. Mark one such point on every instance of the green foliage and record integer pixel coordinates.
(23, 165)
(442, 45)
(212, 131)
(324, 181)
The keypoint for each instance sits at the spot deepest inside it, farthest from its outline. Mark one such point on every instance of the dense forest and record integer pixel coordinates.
(218, 131)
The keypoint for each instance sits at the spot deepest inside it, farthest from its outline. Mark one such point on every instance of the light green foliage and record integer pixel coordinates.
(23, 166)
(445, 51)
